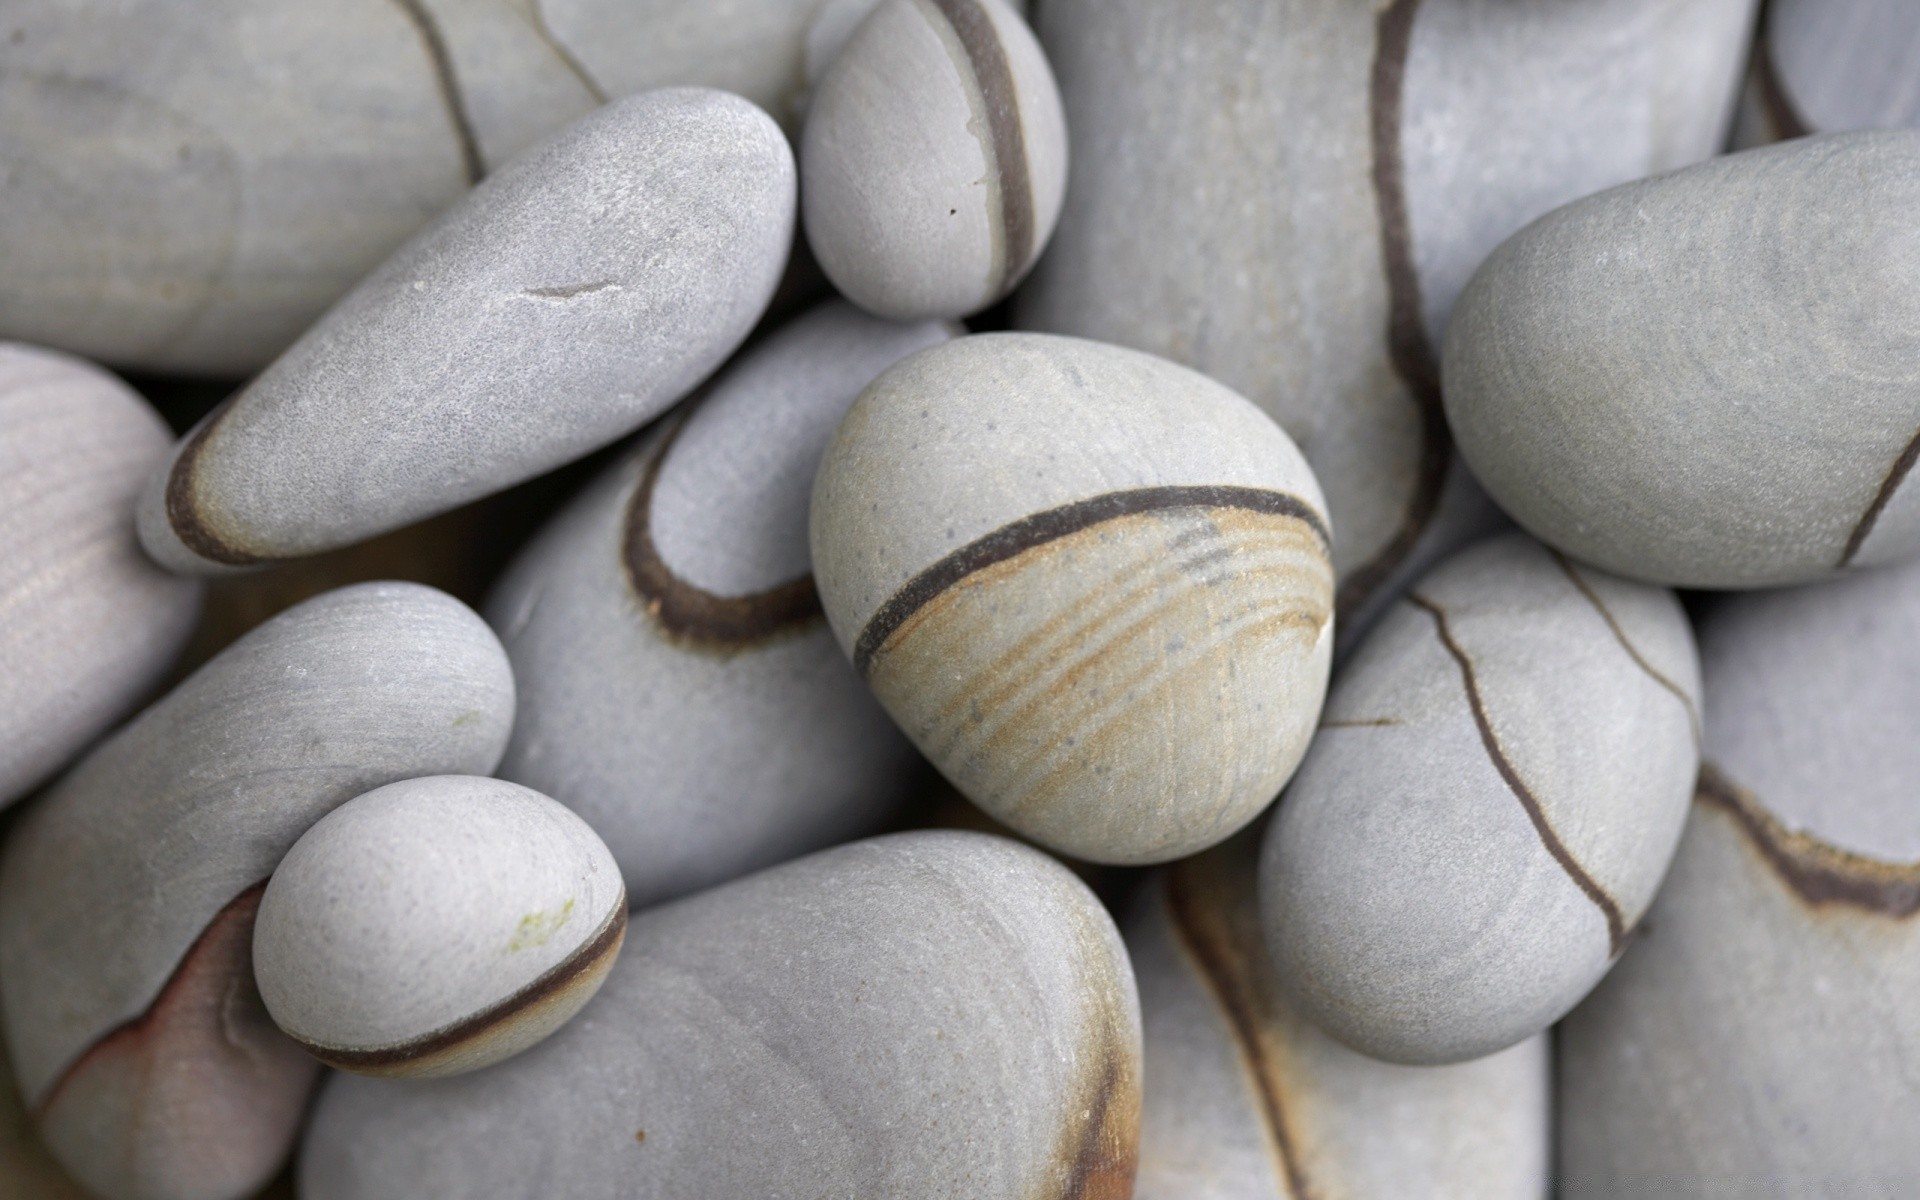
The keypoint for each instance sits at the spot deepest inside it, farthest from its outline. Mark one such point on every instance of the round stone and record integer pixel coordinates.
(1827, 66)
(1092, 586)
(1708, 378)
(934, 158)
(1496, 789)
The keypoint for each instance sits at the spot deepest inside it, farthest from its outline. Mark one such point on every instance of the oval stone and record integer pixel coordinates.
(569, 299)
(938, 1010)
(128, 891)
(934, 158)
(436, 926)
(87, 624)
(678, 686)
(1092, 586)
(1289, 196)
(1494, 794)
(1826, 66)
(1248, 1100)
(1760, 1038)
(1710, 378)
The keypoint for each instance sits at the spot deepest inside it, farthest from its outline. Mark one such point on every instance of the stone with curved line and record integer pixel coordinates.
(1248, 1100)
(1825, 66)
(1094, 587)
(1708, 378)
(87, 624)
(435, 926)
(934, 158)
(1759, 1039)
(678, 687)
(1289, 197)
(1496, 789)
(938, 1011)
(127, 892)
(574, 295)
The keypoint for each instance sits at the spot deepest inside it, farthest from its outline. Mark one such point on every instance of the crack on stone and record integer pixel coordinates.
(1580, 583)
(471, 159)
(570, 291)
(537, 18)
(1896, 475)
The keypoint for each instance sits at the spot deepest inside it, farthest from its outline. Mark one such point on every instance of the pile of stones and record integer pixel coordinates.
(950, 598)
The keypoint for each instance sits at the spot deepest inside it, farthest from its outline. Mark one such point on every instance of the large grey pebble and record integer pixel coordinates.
(1710, 378)
(934, 158)
(264, 156)
(928, 1013)
(1289, 196)
(87, 624)
(571, 297)
(679, 687)
(435, 926)
(1824, 66)
(1495, 792)
(127, 893)
(1247, 1100)
(1092, 586)
(1761, 1038)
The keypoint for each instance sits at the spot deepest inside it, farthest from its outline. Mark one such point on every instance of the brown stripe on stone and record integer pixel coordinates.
(1043, 527)
(1105, 1154)
(1817, 871)
(1408, 348)
(1616, 923)
(183, 511)
(443, 78)
(692, 613)
(1580, 584)
(1896, 475)
(1778, 106)
(994, 77)
(602, 946)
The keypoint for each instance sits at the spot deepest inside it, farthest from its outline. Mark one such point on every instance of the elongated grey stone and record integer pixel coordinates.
(678, 686)
(1708, 378)
(127, 893)
(1247, 1100)
(1094, 587)
(87, 624)
(570, 298)
(1289, 197)
(1759, 1039)
(1826, 66)
(1498, 783)
(935, 1011)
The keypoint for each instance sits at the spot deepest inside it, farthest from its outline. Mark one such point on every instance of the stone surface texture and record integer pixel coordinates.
(1826, 66)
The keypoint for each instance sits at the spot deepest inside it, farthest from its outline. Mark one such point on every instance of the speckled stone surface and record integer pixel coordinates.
(87, 624)
(931, 1011)
(127, 892)
(934, 158)
(1498, 783)
(1092, 586)
(1824, 66)
(1760, 1038)
(1710, 378)
(573, 296)
(1289, 197)
(265, 156)
(436, 926)
(1247, 1100)
(679, 687)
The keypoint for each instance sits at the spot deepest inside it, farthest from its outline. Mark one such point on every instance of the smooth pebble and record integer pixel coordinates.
(1827, 66)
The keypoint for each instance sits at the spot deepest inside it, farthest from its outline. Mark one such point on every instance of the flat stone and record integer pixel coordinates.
(1094, 587)
(570, 298)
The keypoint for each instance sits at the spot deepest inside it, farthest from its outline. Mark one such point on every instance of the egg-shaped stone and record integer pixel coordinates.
(1289, 196)
(1759, 1037)
(1246, 1099)
(1498, 783)
(1826, 66)
(128, 890)
(1710, 378)
(264, 156)
(436, 926)
(1094, 587)
(87, 623)
(926, 1013)
(570, 298)
(678, 685)
(934, 158)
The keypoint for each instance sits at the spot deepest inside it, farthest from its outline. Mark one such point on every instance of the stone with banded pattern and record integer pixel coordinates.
(1710, 378)
(928, 1013)
(1826, 66)
(1094, 587)
(1496, 789)
(1760, 1037)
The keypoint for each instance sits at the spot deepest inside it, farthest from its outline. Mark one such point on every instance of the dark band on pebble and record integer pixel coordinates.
(994, 76)
(1902, 467)
(183, 513)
